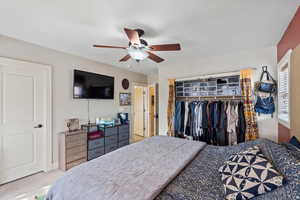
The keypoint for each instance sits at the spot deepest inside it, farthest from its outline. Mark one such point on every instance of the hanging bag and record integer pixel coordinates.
(268, 85)
(265, 105)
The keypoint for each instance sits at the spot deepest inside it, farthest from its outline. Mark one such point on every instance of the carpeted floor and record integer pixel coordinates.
(40, 197)
(29, 187)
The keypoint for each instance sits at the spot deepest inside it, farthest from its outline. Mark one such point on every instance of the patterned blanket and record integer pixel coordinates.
(201, 179)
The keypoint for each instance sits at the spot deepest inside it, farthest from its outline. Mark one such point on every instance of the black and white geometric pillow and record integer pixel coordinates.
(252, 151)
(236, 157)
(249, 174)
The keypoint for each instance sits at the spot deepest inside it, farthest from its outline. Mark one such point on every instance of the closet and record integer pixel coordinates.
(210, 110)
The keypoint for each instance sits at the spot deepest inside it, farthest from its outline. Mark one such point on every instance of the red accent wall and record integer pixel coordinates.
(284, 134)
(289, 40)
(291, 37)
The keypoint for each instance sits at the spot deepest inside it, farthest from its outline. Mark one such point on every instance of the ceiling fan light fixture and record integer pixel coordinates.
(138, 54)
(138, 48)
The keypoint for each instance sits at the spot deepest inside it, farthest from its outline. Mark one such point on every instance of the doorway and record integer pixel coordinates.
(25, 119)
(139, 113)
(153, 110)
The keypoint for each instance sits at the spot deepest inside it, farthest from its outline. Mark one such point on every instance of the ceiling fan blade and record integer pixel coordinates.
(165, 47)
(133, 36)
(105, 46)
(154, 57)
(125, 58)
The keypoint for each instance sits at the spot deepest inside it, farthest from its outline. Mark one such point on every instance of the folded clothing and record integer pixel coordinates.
(95, 135)
(248, 174)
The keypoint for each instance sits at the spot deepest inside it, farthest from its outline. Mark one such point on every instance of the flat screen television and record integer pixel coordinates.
(92, 86)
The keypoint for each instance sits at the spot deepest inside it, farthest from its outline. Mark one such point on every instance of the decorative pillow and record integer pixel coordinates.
(252, 151)
(294, 141)
(248, 174)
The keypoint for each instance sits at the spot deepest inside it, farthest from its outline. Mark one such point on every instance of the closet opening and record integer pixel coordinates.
(210, 109)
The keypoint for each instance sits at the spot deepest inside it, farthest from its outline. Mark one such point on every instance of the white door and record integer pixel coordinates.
(139, 111)
(22, 119)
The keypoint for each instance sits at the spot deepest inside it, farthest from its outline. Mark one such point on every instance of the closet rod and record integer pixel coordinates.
(209, 98)
(214, 75)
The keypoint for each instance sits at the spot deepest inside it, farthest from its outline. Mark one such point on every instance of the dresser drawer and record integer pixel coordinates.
(123, 136)
(111, 131)
(96, 143)
(111, 140)
(123, 143)
(123, 131)
(75, 143)
(75, 163)
(124, 128)
(75, 150)
(77, 156)
(76, 140)
(95, 153)
(72, 138)
(110, 148)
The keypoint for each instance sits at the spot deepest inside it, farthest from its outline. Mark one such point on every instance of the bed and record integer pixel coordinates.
(171, 169)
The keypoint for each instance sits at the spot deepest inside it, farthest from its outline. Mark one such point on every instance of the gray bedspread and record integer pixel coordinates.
(201, 179)
(135, 172)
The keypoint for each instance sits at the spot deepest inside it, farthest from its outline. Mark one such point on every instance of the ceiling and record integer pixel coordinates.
(203, 27)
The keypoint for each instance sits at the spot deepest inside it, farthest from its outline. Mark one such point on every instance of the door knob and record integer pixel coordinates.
(39, 126)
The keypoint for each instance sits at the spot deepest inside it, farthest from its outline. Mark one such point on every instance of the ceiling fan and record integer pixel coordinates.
(138, 48)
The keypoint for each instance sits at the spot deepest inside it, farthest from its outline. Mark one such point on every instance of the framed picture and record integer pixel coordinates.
(125, 99)
(73, 124)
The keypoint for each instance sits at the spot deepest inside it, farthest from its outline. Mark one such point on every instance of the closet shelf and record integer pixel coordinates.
(210, 98)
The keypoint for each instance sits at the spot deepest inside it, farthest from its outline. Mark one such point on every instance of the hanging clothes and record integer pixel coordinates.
(198, 118)
(186, 114)
(204, 121)
(182, 114)
(231, 123)
(189, 124)
(192, 119)
(179, 118)
(241, 125)
(232, 115)
(222, 125)
(211, 123)
(215, 122)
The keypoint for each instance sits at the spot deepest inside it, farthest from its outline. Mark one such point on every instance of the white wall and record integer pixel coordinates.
(227, 63)
(152, 78)
(64, 106)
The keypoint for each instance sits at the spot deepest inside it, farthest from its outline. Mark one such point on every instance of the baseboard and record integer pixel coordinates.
(52, 166)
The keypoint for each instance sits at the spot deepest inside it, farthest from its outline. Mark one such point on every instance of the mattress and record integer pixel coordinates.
(137, 171)
(180, 170)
